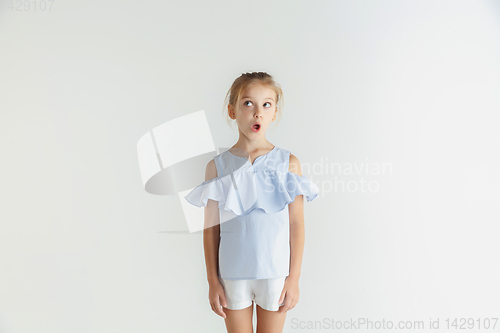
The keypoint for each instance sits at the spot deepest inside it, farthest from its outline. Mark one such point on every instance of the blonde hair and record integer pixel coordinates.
(246, 80)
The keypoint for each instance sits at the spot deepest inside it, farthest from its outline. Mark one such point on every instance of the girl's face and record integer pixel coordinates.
(257, 105)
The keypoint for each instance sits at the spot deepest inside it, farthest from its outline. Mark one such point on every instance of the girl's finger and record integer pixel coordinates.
(222, 314)
(219, 310)
(223, 299)
(283, 294)
(287, 305)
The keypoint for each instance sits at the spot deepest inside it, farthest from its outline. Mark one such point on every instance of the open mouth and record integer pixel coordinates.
(256, 127)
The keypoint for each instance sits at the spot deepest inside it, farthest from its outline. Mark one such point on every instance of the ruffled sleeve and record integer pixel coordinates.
(242, 192)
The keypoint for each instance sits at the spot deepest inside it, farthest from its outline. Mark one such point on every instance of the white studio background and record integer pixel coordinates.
(409, 86)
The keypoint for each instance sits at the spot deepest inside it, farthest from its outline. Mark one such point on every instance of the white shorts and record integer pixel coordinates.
(265, 292)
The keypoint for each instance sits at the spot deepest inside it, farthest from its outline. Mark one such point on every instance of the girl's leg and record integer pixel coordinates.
(239, 321)
(270, 321)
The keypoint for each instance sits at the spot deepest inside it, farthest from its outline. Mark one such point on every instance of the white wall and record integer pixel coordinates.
(413, 84)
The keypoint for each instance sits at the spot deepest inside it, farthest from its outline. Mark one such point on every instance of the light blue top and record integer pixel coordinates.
(255, 244)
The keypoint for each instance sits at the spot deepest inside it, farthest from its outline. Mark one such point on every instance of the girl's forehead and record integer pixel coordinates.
(253, 89)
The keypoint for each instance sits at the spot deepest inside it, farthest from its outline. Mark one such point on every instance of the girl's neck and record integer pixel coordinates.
(252, 146)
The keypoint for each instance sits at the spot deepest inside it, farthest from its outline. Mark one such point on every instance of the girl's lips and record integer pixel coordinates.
(256, 128)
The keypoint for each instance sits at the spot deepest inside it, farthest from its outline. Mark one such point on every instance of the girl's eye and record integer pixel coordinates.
(244, 103)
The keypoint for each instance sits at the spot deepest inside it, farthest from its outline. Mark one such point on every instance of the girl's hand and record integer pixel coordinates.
(291, 292)
(216, 296)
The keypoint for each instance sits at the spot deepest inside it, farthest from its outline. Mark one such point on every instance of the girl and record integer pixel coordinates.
(254, 223)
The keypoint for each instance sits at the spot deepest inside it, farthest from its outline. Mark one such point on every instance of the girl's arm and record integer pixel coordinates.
(211, 231)
(297, 231)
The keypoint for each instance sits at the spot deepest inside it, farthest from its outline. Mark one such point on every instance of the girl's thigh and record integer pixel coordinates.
(239, 321)
(270, 321)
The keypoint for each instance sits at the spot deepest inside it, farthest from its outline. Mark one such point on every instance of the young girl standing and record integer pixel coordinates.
(254, 222)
